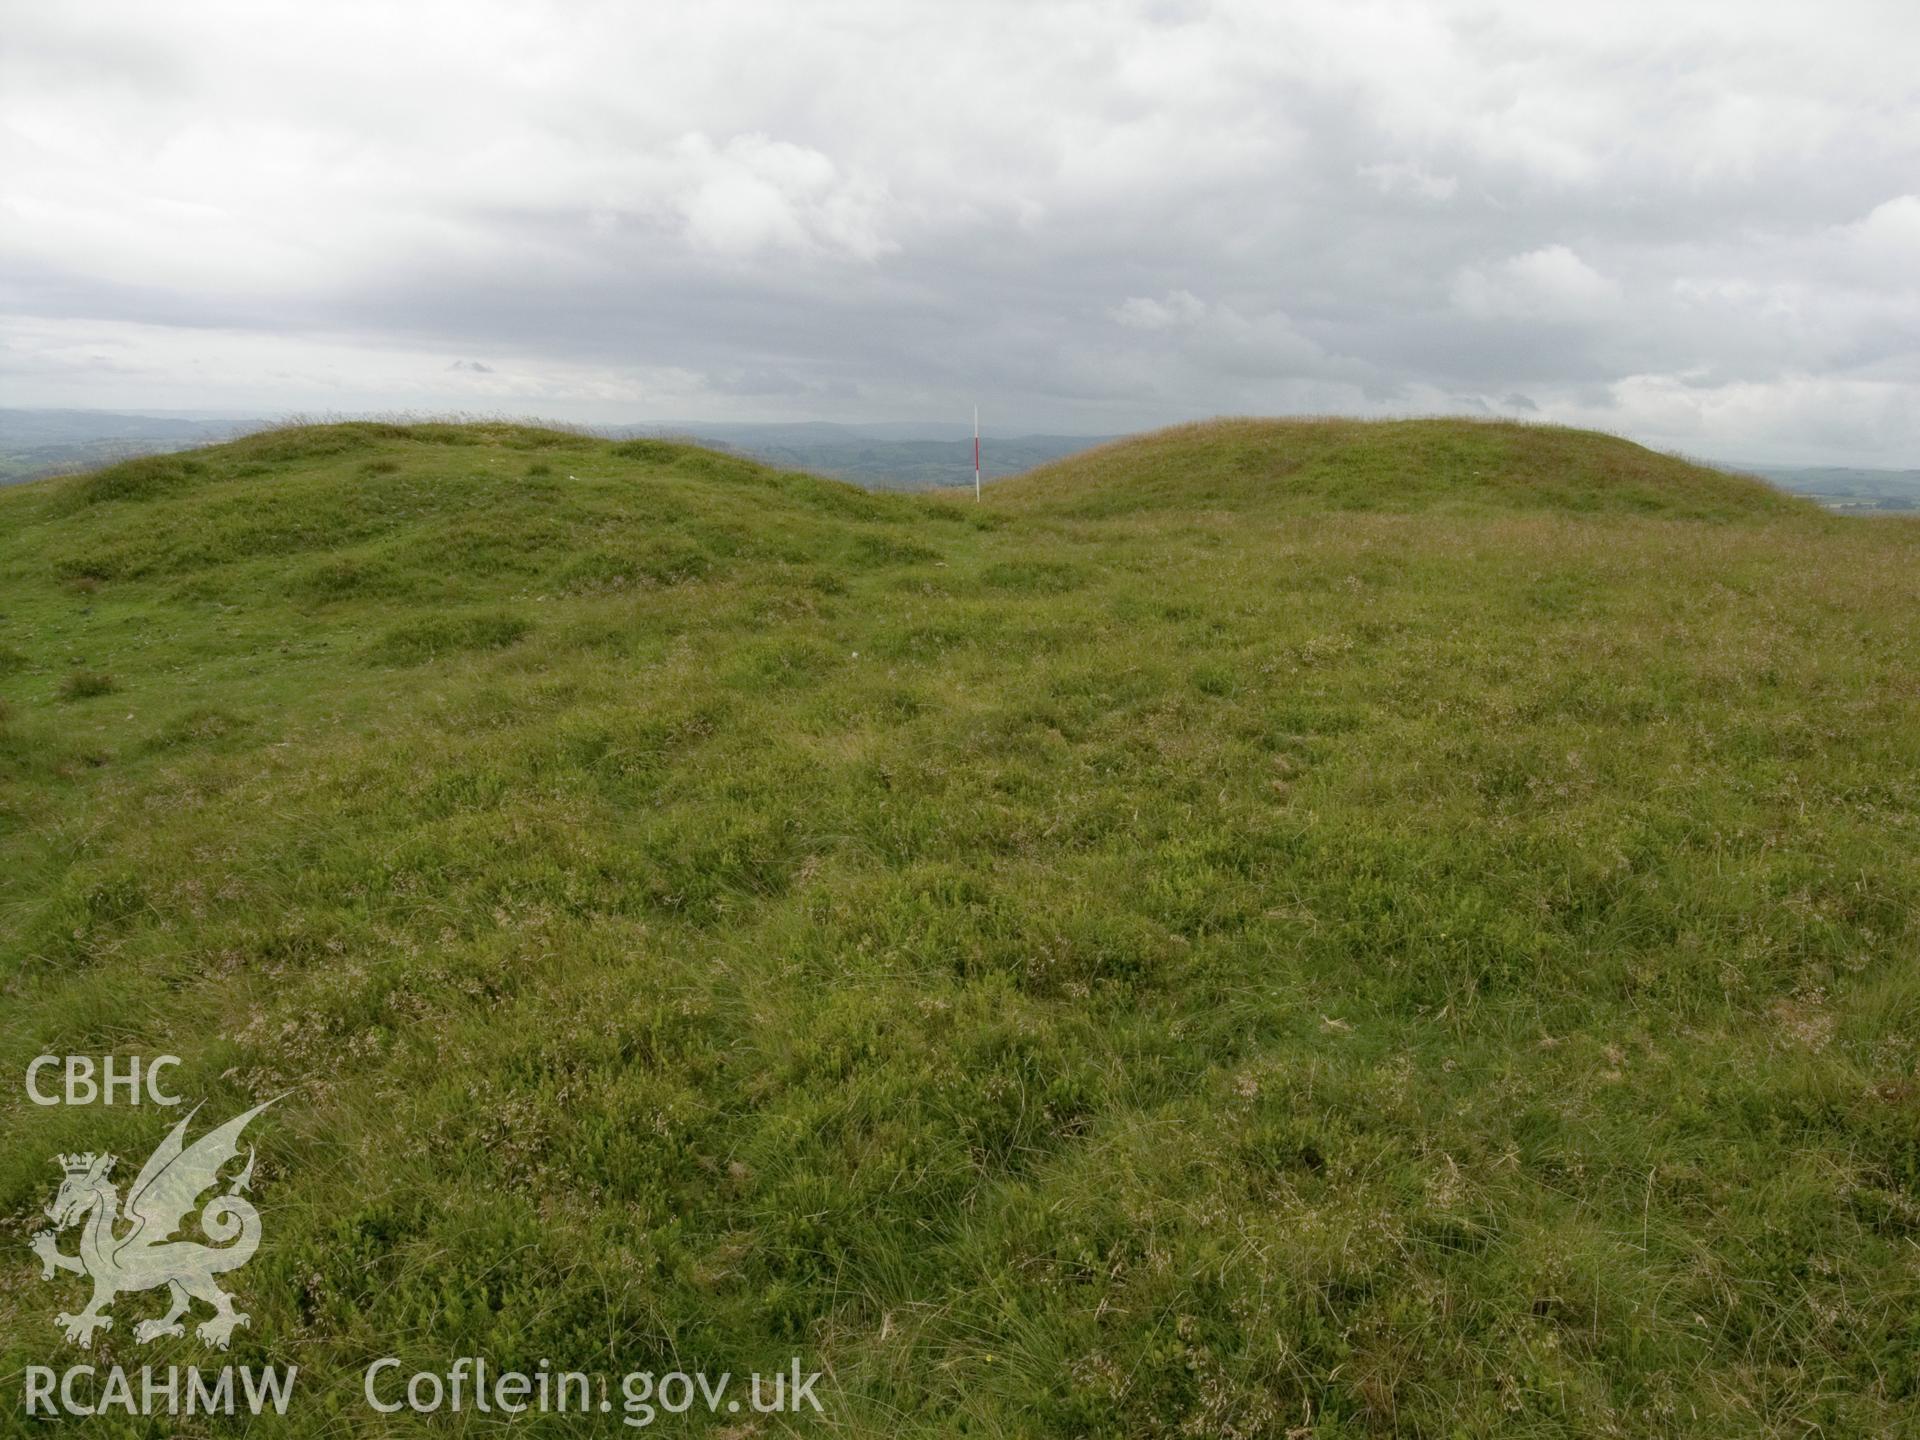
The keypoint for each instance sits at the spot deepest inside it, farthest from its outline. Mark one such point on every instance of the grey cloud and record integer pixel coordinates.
(1697, 226)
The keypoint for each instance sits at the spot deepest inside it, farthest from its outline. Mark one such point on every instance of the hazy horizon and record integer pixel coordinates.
(770, 436)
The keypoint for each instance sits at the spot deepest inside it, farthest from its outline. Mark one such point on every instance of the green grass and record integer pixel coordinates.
(1266, 929)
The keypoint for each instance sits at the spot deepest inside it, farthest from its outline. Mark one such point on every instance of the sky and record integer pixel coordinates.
(1695, 224)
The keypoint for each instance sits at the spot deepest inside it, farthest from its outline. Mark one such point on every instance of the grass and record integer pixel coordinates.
(85, 685)
(1309, 929)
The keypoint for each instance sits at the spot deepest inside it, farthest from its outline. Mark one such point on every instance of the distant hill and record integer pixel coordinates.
(880, 457)
(1850, 490)
(53, 442)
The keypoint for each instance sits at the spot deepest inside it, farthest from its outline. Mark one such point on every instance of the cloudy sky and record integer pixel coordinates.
(1697, 224)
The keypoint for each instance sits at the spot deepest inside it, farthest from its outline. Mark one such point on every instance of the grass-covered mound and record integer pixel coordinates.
(1458, 466)
(1090, 963)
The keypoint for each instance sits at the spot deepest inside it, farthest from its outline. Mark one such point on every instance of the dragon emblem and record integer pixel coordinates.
(130, 1248)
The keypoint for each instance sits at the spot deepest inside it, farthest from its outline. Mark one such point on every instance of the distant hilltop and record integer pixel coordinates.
(1840, 488)
(879, 457)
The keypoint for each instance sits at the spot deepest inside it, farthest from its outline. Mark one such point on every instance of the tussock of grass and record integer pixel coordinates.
(420, 640)
(86, 684)
(1396, 929)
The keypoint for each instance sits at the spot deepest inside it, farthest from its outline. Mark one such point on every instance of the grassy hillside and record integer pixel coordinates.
(1261, 930)
(1455, 466)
